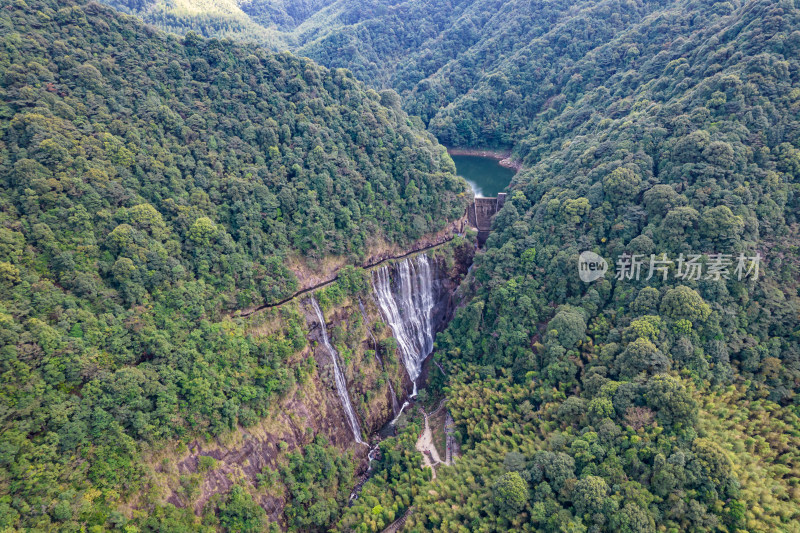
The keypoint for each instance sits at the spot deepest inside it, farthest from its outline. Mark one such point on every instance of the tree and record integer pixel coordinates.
(713, 463)
(678, 223)
(646, 301)
(647, 327)
(684, 303)
(661, 199)
(507, 216)
(554, 467)
(639, 356)
(589, 496)
(240, 513)
(568, 326)
(673, 404)
(719, 225)
(632, 519)
(510, 493)
(721, 154)
(121, 237)
(514, 462)
(572, 409)
(146, 217)
(202, 231)
(9, 274)
(621, 185)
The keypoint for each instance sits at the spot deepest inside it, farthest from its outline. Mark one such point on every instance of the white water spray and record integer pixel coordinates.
(408, 310)
(397, 417)
(341, 384)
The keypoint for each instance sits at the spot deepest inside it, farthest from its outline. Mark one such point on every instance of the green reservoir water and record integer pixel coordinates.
(484, 174)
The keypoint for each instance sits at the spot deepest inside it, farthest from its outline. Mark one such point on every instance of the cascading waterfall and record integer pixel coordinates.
(341, 384)
(408, 310)
(397, 416)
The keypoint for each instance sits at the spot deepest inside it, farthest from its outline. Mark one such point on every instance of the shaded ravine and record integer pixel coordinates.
(335, 278)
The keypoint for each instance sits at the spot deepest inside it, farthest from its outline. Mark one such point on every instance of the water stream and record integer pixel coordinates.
(395, 405)
(341, 384)
(397, 416)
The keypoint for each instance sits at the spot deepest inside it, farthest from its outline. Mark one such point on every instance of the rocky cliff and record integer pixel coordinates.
(371, 366)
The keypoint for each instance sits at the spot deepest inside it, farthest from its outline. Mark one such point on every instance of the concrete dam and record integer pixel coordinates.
(480, 213)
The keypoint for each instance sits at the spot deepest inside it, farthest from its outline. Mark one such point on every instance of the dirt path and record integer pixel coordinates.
(430, 456)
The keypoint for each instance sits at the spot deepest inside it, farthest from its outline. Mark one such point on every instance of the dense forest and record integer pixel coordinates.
(151, 185)
(646, 403)
(628, 404)
(154, 183)
(476, 71)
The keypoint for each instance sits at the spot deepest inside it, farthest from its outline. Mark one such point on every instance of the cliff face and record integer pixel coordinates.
(451, 269)
(312, 407)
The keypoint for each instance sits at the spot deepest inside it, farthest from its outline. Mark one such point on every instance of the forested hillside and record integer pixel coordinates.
(246, 19)
(637, 404)
(154, 183)
(151, 185)
(475, 71)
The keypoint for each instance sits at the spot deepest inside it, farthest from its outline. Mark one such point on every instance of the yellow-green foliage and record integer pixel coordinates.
(763, 441)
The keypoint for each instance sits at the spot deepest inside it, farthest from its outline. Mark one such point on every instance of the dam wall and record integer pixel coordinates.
(480, 213)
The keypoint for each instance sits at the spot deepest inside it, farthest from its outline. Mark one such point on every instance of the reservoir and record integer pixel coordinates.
(484, 174)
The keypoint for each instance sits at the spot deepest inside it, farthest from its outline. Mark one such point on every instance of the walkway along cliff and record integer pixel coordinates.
(456, 229)
(478, 216)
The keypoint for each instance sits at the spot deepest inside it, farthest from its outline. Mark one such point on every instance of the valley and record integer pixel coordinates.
(399, 265)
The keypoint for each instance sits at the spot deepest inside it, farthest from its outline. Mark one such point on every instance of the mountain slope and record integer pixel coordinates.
(474, 70)
(611, 405)
(151, 185)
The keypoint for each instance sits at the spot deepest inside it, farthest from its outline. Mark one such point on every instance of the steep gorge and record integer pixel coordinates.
(346, 400)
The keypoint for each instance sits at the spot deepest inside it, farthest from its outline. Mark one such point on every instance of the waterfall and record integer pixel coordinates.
(396, 418)
(408, 310)
(341, 384)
